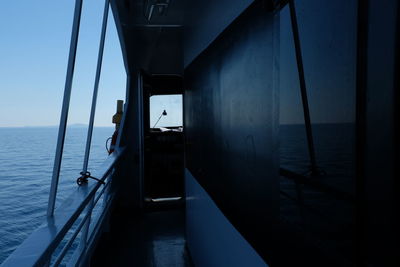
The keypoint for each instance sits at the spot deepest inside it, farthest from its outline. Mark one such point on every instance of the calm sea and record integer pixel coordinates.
(26, 162)
(334, 151)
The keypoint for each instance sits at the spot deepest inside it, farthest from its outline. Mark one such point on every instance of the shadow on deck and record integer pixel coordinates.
(155, 237)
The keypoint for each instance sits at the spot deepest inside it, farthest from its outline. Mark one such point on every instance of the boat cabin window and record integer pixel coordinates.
(166, 112)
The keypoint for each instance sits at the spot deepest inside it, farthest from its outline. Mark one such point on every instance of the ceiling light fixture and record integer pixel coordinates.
(155, 5)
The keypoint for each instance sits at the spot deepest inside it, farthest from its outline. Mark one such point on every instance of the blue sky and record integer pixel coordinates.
(34, 47)
(172, 104)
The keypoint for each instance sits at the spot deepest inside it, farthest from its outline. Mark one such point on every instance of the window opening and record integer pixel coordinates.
(166, 112)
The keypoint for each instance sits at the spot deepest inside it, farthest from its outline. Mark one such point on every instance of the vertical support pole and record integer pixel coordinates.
(303, 88)
(65, 108)
(140, 89)
(85, 232)
(106, 195)
(361, 138)
(96, 86)
(397, 131)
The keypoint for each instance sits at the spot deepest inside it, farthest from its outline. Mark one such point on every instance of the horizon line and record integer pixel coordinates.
(77, 125)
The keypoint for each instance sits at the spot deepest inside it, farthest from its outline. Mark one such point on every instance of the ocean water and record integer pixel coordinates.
(334, 151)
(26, 164)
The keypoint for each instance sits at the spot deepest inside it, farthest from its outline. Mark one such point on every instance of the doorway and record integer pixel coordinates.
(163, 138)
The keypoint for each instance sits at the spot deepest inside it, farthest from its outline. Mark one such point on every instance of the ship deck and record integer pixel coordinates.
(156, 237)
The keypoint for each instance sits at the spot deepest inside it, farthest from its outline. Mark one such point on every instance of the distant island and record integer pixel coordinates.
(78, 125)
(72, 125)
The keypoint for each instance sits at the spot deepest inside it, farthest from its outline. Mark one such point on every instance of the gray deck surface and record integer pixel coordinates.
(154, 238)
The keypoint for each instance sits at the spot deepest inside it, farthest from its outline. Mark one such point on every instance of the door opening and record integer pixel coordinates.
(163, 139)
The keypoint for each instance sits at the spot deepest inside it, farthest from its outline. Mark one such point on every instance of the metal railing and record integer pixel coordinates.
(42, 247)
(56, 241)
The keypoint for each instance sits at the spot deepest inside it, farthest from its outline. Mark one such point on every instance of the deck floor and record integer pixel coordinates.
(153, 238)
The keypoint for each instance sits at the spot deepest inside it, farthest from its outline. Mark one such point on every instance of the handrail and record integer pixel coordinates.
(316, 184)
(39, 247)
(67, 246)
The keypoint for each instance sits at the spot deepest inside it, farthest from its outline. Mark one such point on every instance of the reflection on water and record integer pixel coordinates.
(334, 149)
(324, 218)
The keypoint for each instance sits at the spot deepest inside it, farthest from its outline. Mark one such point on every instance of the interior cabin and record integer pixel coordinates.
(287, 150)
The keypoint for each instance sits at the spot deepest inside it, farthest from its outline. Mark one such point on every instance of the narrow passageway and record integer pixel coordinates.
(153, 238)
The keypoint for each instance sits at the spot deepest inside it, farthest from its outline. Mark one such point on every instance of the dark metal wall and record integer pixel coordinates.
(381, 244)
(231, 111)
(130, 137)
(232, 119)
(205, 20)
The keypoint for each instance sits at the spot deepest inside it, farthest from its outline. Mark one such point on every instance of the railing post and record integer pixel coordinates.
(303, 88)
(85, 231)
(107, 192)
(96, 86)
(65, 107)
